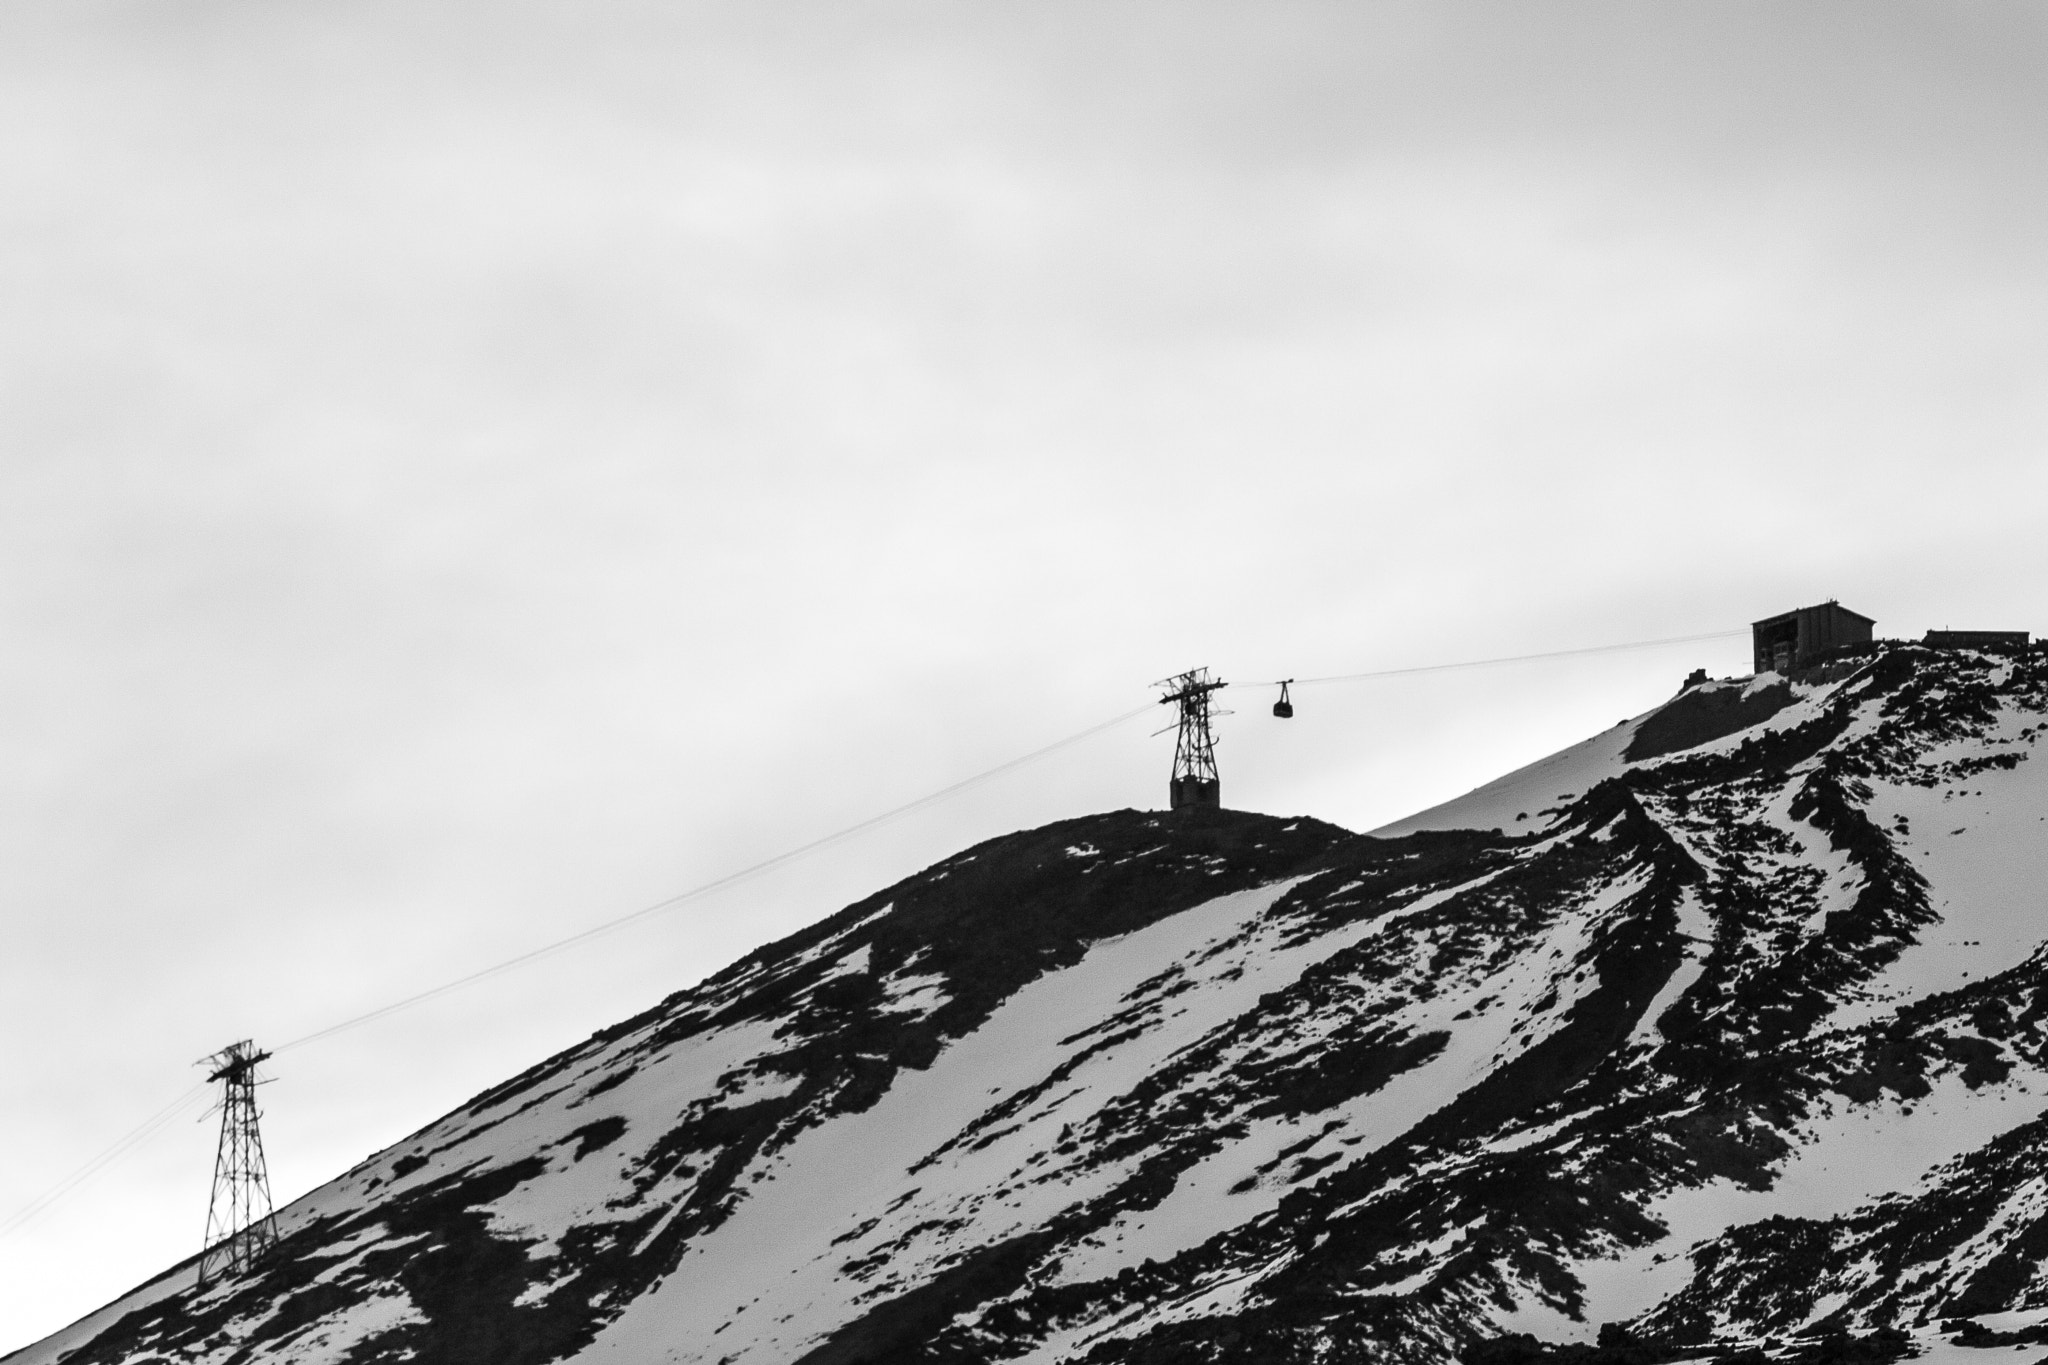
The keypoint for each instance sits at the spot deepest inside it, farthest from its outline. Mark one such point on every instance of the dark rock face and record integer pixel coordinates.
(1703, 715)
(1749, 1041)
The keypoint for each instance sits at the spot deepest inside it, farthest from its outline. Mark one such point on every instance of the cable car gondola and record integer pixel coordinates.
(1283, 708)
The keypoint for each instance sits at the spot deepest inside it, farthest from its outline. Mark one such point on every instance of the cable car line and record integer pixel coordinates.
(719, 884)
(873, 822)
(154, 1124)
(1503, 659)
(127, 1143)
(1283, 708)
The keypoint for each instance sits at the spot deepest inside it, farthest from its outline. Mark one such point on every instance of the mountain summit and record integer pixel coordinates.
(1726, 1029)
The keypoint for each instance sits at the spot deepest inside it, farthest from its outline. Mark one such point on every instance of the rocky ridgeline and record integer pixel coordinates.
(1739, 1045)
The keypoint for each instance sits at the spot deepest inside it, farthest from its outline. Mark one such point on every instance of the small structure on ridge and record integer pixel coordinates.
(1996, 640)
(1805, 636)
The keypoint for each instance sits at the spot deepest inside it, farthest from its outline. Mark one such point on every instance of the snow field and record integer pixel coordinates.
(1981, 841)
(1528, 791)
(777, 1248)
(1843, 1160)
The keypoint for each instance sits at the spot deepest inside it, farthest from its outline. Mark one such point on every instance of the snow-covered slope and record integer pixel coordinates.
(1730, 1023)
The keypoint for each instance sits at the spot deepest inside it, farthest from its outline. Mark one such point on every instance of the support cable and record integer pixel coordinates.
(151, 1126)
(720, 884)
(873, 822)
(1506, 659)
(128, 1142)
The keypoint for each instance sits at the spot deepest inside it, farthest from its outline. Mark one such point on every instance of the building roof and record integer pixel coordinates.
(1818, 606)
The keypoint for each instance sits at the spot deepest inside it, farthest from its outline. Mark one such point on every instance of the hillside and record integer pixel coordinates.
(1727, 1025)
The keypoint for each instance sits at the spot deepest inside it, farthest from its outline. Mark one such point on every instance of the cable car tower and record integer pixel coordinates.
(1194, 748)
(239, 1224)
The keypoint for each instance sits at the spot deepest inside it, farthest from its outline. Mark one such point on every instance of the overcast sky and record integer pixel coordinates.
(470, 470)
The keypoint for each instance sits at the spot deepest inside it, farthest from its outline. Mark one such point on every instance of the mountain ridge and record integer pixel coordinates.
(1585, 1046)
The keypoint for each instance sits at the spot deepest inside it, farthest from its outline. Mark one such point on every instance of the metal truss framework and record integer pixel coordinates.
(1194, 782)
(240, 1226)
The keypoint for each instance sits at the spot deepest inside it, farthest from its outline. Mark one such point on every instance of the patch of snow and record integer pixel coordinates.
(1221, 1296)
(1541, 1321)
(1695, 928)
(1226, 1190)
(1527, 792)
(2015, 1321)
(336, 1334)
(1846, 1158)
(1938, 1350)
(906, 992)
(836, 1177)
(1982, 843)
(352, 1250)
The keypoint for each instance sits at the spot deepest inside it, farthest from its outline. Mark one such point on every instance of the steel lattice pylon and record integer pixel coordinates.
(1195, 782)
(239, 1223)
